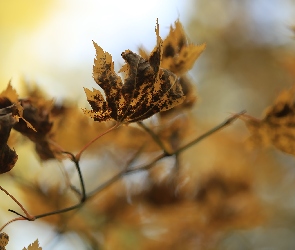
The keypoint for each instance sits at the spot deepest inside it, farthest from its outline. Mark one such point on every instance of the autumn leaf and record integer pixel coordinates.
(10, 93)
(16, 109)
(38, 115)
(33, 246)
(8, 157)
(147, 88)
(179, 56)
(4, 238)
(10, 104)
(277, 128)
(30, 117)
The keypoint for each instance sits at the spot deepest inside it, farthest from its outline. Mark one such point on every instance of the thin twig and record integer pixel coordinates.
(15, 219)
(78, 156)
(82, 200)
(164, 154)
(28, 216)
(59, 211)
(154, 136)
(12, 211)
(77, 165)
(211, 131)
(115, 177)
(119, 175)
(83, 197)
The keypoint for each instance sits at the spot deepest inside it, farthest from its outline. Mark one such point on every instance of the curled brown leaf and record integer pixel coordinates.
(147, 88)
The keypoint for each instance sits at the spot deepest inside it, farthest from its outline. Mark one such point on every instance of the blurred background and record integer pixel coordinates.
(244, 197)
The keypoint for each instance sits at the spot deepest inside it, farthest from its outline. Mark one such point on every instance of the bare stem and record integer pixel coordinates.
(78, 156)
(60, 210)
(15, 219)
(30, 217)
(211, 131)
(119, 175)
(77, 165)
(115, 177)
(164, 154)
(154, 136)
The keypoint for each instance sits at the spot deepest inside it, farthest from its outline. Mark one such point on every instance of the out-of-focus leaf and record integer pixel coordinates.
(38, 116)
(16, 108)
(179, 55)
(8, 157)
(277, 128)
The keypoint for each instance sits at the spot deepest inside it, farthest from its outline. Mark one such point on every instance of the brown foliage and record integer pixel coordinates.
(147, 88)
(277, 128)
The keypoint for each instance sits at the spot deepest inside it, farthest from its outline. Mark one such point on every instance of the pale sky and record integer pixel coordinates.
(59, 53)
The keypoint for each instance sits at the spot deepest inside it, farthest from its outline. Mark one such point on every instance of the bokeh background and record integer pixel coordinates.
(248, 60)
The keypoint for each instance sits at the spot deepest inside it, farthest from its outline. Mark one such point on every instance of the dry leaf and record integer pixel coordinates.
(38, 115)
(8, 157)
(33, 246)
(10, 94)
(179, 57)
(34, 123)
(4, 238)
(277, 128)
(147, 88)
(16, 108)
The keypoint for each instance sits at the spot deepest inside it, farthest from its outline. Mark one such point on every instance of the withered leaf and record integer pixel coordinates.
(31, 118)
(179, 55)
(8, 157)
(38, 116)
(189, 91)
(147, 88)
(10, 112)
(277, 128)
(16, 108)
(4, 239)
(33, 246)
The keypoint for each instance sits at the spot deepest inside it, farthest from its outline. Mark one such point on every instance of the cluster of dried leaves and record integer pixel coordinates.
(151, 83)
(154, 83)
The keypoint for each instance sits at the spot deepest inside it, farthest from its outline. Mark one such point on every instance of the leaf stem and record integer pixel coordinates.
(77, 165)
(78, 156)
(28, 216)
(15, 219)
(154, 136)
(125, 171)
(60, 210)
(76, 160)
(211, 131)
(163, 155)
